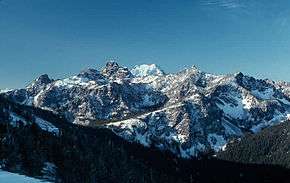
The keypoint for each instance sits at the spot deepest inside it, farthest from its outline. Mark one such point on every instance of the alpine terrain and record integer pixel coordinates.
(176, 126)
(188, 113)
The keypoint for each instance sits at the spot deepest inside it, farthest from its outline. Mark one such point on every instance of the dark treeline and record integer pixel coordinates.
(270, 146)
(83, 154)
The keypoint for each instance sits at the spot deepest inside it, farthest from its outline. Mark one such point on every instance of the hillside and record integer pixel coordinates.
(270, 146)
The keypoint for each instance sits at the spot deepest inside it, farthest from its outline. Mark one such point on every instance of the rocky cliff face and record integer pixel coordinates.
(188, 113)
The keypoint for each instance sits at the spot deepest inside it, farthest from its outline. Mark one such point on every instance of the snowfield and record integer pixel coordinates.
(7, 177)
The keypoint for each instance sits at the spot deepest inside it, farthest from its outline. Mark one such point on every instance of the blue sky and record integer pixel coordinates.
(61, 37)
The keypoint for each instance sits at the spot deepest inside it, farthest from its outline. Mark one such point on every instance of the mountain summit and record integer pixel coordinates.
(147, 70)
(112, 70)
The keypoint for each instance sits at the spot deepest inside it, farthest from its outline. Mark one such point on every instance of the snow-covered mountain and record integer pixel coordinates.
(147, 70)
(84, 154)
(188, 113)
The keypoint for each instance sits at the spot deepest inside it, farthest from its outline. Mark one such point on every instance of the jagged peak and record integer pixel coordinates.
(39, 83)
(110, 67)
(113, 71)
(239, 74)
(191, 70)
(194, 67)
(42, 79)
(112, 63)
(147, 70)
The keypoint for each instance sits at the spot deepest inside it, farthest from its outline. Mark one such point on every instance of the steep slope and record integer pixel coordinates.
(270, 146)
(188, 113)
(83, 154)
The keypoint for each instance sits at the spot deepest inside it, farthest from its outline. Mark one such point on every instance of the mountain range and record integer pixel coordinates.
(190, 114)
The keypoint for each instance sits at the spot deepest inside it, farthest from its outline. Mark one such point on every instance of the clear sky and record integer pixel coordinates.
(61, 37)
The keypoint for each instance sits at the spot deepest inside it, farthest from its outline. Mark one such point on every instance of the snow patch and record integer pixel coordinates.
(224, 148)
(247, 103)
(235, 111)
(5, 90)
(264, 95)
(46, 126)
(129, 127)
(8, 177)
(35, 99)
(142, 139)
(217, 142)
(49, 171)
(74, 81)
(288, 116)
(278, 118)
(15, 120)
(285, 101)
